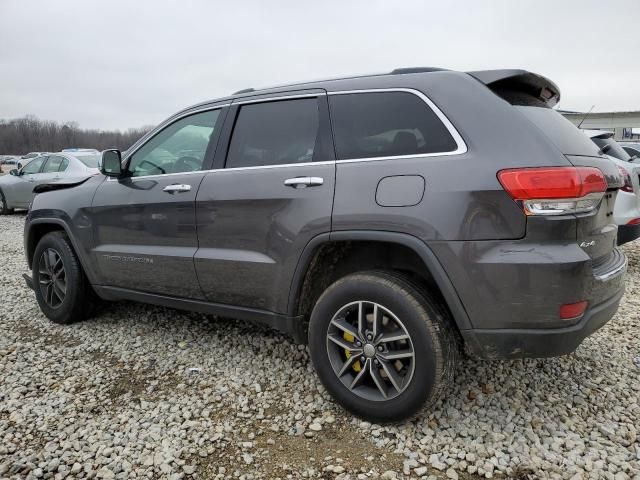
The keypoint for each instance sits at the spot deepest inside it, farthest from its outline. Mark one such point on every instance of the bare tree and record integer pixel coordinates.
(21, 135)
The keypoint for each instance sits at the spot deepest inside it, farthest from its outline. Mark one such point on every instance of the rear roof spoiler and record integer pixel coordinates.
(520, 81)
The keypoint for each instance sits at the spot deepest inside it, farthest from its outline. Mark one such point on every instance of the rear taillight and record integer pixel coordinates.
(554, 190)
(628, 187)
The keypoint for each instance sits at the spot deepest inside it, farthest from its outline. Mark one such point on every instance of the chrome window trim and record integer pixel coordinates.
(142, 142)
(460, 143)
(282, 97)
(235, 169)
(462, 146)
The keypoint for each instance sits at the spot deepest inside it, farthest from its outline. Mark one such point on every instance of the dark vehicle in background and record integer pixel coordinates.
(388, 220)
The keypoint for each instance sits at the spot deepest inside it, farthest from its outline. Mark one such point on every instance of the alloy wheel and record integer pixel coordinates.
(370, 351)
(52, 278)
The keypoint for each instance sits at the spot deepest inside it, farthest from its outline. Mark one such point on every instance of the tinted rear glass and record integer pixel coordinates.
(612, 148)
(564, 134)
(386, 124)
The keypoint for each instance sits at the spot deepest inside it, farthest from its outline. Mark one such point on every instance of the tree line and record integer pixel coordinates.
(30, 134)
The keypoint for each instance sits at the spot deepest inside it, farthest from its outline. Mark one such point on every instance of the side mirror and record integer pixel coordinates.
(111, 163)
(14, 172)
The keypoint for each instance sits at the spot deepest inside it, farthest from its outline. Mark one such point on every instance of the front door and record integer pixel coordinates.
(144, 225)
(274, 194)
(27, 178)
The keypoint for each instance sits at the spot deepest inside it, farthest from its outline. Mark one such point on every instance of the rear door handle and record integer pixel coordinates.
(303, 182)
(177, 188)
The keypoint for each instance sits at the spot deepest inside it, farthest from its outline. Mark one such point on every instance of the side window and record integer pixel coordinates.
(386, 124)
(179, 147)
(63, 165)
(34, 165)
(275, 133)
(53, 164)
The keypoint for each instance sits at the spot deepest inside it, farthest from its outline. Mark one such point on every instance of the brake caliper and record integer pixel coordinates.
(350, 338)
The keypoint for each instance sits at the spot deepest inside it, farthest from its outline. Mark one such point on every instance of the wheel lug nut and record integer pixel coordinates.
(362, 359)
(376, 361)
(358, 344)
(380, 348)
(369, 337)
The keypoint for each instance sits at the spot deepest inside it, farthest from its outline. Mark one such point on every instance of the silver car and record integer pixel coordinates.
(16, 189)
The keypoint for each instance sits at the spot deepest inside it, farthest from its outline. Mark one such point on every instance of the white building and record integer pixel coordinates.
(625, 125)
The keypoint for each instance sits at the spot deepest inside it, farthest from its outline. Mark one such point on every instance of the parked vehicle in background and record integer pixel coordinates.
(75, 150)
(16, 189)
(626, 212)
(8, 160)
(632, 148)
(387, 238)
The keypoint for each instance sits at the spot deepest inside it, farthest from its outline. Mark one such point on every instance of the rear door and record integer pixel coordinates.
(144, 225)
(271, 193)
(51, 169)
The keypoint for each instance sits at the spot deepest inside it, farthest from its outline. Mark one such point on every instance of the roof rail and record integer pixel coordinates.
(401, 71)
(244, 90)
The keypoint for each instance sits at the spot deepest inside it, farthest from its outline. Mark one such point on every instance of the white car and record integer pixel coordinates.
(16, 189)
(626, 211)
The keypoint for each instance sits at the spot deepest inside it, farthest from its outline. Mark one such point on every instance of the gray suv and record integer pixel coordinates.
(391, 221)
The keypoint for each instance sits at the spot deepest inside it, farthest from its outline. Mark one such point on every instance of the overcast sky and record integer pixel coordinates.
(119, 64)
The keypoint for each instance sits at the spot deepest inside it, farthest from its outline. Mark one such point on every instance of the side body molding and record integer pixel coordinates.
(438, 273)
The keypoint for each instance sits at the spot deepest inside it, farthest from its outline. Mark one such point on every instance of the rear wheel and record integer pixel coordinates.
(4, 209)
(61, 287)
(381, 347)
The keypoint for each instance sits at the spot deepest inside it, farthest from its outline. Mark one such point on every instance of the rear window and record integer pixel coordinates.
(386, 124)
(90, 161)
(611, 147)
(564, 134)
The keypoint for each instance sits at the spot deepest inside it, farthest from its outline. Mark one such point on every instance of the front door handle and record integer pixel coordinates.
(177, 188)
(303, 182)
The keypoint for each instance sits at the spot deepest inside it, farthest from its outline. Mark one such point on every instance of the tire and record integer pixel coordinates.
(4, 209)
(415, 317)
(78, 298)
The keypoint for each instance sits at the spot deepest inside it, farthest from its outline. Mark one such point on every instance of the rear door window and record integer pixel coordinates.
(386, 124)
(275, 133)
(53, 164)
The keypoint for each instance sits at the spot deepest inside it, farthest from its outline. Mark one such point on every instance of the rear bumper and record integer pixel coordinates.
(628, 233)
(536, 343)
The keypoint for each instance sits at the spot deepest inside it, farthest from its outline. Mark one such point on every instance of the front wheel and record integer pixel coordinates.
(62, 289)
(381, 347)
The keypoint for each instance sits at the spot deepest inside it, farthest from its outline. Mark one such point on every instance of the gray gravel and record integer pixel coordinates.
(147, 392)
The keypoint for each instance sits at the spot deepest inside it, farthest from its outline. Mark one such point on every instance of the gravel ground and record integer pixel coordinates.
(142, 391)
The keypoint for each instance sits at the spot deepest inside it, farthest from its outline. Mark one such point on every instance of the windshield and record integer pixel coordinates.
(91, 161)
(564, 134)
(615, 150)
